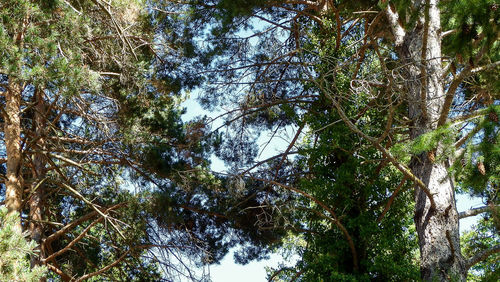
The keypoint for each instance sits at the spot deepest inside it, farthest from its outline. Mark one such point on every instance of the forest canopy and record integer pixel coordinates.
(347, 130)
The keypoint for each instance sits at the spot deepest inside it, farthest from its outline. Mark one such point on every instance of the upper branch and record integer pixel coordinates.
(473, 212)
(397, 29)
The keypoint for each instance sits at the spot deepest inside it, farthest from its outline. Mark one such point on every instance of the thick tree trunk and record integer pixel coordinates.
(438, 227)
(12, 133)
(38, 173)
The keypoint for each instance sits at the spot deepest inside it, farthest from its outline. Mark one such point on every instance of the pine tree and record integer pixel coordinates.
(15, 252)
(415, 80)
(82, 106)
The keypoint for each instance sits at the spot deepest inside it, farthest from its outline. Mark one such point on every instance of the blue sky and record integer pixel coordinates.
(227, 270)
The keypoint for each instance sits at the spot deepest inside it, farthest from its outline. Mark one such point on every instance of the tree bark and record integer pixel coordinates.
(12, 134)
(38, 173)
(438, 227)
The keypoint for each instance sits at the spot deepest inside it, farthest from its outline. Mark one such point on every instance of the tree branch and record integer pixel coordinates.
(473, 212)
(391, 199)
(482, 256)
(74, 223)
(450, 93)
(64, 276)
(488, 66)
(334, 217)
(397, 29)
(76, 240)
(406, 171)
(104, 269)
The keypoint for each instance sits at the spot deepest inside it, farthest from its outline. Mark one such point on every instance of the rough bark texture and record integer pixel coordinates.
(12, 131)
(438, 230)
(38, 174)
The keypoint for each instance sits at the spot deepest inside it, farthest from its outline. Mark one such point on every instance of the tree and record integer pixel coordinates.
(425, 69)
(14, 250)
(82, 104)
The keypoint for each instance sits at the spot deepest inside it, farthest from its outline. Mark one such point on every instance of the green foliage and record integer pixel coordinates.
(288, 75)
(100, 88)
(479, 239)
(356, 190)
(470, 20)
(442, 139)
(478, 166)
(15, 252)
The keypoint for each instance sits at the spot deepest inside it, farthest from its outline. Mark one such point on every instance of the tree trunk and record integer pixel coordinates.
(38, 173)
(12, 133)
(437, 228)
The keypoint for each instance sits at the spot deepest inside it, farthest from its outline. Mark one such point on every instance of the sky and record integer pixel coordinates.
(227, 270)
(255, 271)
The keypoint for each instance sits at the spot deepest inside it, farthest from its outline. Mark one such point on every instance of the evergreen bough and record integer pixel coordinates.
(15, 252)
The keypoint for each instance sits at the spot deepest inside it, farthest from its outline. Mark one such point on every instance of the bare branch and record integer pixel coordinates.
(473, 212)
(276, 273)
(488, 66)
(299, 131)
(119, 29)
(104, 269)
(448, 32)
(76, 240)
(74, 223)
(64, 276)
(72, 8)
(450, 93)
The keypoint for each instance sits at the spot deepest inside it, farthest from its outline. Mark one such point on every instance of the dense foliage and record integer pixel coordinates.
(15, 253)
(379, 111)
(87, 106)
(335, 80)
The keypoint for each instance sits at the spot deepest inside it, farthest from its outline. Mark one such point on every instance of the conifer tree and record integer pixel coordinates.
(82, 105)
(15, 251)
(415, 81)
